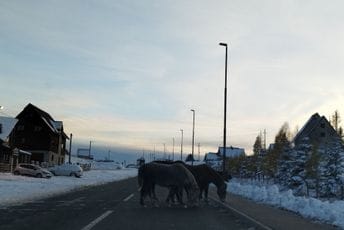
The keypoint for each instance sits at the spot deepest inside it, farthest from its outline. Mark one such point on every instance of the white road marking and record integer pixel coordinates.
(96, 221)
(242, 214)
(128, 198)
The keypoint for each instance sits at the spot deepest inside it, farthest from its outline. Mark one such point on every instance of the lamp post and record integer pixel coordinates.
(193, 134)
(181, 145)
(173, 150)
(89, 150)
(225, 111)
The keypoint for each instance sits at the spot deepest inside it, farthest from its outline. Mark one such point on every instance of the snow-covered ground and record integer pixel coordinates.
(325, 211)
(20, 189)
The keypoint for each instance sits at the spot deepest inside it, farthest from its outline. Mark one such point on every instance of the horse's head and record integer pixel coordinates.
(222, 192)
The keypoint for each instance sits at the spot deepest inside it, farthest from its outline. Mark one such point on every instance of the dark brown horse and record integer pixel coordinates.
(204, 176)
(173, 176)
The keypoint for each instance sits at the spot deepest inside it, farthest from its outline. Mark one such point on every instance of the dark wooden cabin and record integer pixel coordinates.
(37, 132)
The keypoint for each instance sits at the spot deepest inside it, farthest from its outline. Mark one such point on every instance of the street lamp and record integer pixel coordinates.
(225, 111)
(1, 107)
(181, 145)
(193, 134)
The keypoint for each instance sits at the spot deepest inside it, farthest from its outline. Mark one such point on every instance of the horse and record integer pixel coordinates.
(174, 176)
(204, 175)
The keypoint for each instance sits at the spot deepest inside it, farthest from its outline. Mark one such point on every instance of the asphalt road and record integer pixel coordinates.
(116, 206)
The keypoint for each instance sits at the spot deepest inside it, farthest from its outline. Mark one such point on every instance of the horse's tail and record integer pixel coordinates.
(140, 176)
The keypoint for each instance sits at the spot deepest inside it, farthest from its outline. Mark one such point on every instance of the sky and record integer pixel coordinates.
(125, 74)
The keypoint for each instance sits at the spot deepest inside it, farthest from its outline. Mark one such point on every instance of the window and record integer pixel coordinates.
(52, 157)
(0, 128)
(37, 129)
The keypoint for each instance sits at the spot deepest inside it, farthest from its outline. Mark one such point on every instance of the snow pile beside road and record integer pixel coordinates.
(329, 212)
(20, 189)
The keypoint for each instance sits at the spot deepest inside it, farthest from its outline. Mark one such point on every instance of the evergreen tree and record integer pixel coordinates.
(313, 170)
(332, 169)
(273, 156)
(257, 147)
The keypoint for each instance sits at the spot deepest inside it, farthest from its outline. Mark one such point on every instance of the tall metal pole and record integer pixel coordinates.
(173, 150)
(70, 148)
(181, 145)
(164, 151)
(89, 150)
(193, 134)
(225, 111)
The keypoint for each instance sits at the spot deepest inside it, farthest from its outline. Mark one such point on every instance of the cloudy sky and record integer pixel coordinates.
(126, 73)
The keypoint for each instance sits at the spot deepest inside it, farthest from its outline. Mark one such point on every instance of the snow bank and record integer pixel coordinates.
(20, 189)
(329, 212)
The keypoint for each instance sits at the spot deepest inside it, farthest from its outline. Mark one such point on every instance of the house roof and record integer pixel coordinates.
(212, 156)
(231, 151)
(54, 126)
(8, 124)
(309, 126)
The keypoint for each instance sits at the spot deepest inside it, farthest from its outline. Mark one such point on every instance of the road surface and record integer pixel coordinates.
(116, 206)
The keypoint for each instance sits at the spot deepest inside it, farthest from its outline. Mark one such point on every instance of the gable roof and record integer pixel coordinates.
(7, 124)
(54, 126)
(231, 151)
(310, 125)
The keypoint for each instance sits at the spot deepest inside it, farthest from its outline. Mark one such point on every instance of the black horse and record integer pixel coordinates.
(174, 176)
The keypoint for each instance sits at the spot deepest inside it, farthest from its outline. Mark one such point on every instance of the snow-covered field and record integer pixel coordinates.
(20, 189)
(329, 212)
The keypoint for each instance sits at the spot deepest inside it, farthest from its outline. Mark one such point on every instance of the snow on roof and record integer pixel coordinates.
(52, 127)
(7, 124)
(232, 151)
(212, 156)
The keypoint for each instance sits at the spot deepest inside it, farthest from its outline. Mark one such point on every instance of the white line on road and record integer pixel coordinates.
(96, 221)
(242, 214)
(128, 198)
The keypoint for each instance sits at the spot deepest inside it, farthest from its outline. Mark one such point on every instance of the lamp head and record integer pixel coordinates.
(1, 107)
(223, 44)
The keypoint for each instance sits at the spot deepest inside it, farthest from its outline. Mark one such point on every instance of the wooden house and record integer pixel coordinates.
(317, 130)
(37, 132)
(10, 157)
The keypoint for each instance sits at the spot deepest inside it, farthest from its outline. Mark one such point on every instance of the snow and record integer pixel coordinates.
(325, 211)
(20, 189)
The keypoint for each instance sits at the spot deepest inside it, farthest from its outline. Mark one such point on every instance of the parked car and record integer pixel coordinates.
(132, 166)
(66, 170)
(31, 170)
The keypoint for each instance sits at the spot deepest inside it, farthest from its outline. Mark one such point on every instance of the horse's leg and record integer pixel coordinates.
(170, 195)
(143, 193)
(200, 193)
(206, 193)
(179, 195)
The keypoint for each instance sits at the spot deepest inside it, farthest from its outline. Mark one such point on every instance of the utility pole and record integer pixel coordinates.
(193, 134)
(164, 151)
(173, 150)
(225, 111)
(89, 150)
(181, 145)
(264, 139)
(70, 148)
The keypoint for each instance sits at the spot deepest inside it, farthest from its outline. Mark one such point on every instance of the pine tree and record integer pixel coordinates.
(313, 170)
(257, 147)
(332, 169)
(281, 144)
